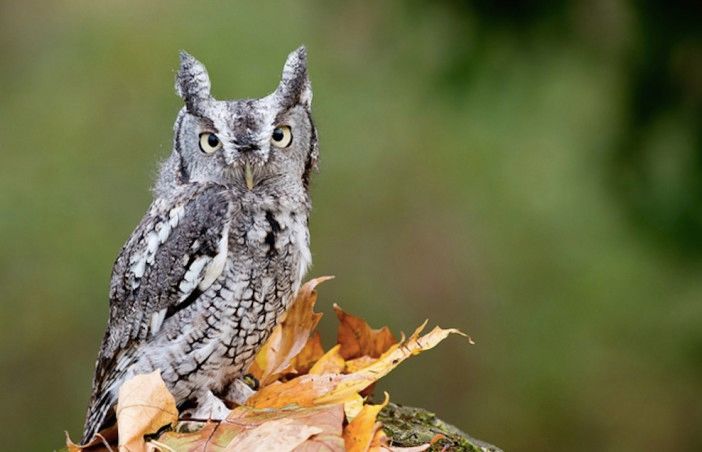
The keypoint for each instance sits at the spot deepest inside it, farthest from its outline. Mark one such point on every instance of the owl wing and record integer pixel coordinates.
(177, 251)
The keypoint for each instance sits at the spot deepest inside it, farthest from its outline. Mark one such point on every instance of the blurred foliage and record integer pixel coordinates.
(530, 172)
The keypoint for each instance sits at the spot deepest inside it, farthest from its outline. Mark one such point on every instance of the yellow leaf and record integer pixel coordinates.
(360, 432)
(357, 364)
(290, 336)
(144, 406)
(358, 339)
(353, 406)
(310, 354)
(330, 363)
(309, 390)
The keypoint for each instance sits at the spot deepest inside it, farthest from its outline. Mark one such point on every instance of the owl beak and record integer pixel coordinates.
(248, 176)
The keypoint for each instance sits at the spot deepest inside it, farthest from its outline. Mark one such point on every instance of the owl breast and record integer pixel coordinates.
(213, 341)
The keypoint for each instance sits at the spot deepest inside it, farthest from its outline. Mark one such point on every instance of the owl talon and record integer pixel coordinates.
(209, 406)
(239, 391)
(251, 381)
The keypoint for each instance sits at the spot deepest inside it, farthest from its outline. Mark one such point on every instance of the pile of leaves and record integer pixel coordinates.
(308, 400)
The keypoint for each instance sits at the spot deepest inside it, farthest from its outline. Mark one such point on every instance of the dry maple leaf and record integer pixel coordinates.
(144, 406)
(310, 354)
(357, 339)
(360, 432)
(330, 363)
(290, 336)
(317, 428)
(304, 413)
(310, 390)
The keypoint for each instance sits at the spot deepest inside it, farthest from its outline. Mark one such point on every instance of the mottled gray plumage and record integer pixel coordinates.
(222, 250)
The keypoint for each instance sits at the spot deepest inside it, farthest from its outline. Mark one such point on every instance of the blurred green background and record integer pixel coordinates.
(530, 172)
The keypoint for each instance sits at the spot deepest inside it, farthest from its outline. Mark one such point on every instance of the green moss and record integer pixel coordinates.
(407, 427)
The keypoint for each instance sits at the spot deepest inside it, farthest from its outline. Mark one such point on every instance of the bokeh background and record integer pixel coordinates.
(530, 172)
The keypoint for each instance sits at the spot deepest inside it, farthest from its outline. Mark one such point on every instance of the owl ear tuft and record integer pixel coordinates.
(192, 81)
(295, 87)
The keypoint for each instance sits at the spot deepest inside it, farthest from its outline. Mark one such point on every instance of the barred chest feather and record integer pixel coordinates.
(214, 340)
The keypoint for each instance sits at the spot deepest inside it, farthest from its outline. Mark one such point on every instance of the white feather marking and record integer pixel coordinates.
(164, 232)
(192, 276)
(152, 242)
(139, 267)
(157, 319)
(303, 243)
(175, 215)
(216, 266)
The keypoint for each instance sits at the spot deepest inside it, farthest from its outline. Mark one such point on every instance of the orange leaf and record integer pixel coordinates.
(360, 432)
(316, 428)
(144, 406)
(309, 390)
(290, 336)
(330, 363)
(358, 339)
(309, 355)
(380, 441)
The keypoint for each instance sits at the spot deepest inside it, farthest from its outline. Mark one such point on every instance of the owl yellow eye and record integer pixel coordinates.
(209, 143)
(281, 137)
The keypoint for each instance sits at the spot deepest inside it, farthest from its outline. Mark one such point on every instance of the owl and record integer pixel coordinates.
(219, 255)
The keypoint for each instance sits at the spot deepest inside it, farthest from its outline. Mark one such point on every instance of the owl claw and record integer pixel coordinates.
(239, 391)
(209, 406)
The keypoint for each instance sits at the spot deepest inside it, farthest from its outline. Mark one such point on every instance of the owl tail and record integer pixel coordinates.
(101, 414)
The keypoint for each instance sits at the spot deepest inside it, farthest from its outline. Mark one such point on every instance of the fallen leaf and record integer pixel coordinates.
(322, 443)
(360, 432)
(380, 441)
(309, 390)
(290, 336)
(102, 441)
(310, 354)
(144, 406)
(357, 364)
(218, 436)
(281, 435)
(330, 363)
(358, 339)
(353, 406)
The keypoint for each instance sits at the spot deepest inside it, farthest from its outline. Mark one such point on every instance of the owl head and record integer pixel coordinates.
(253, 144)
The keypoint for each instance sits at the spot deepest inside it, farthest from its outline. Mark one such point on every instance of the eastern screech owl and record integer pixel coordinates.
(223, 248)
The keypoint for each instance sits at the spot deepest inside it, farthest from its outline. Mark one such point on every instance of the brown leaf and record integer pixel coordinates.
(144, 406)
(360, 432)
(358, 339)
(309, 390)
(102, 441)
(290, 336)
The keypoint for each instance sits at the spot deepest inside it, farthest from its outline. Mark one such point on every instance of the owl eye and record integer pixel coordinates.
(209, 143)
(281, 137)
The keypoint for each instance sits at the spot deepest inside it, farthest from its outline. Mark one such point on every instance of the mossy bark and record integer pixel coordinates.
(408, 427)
